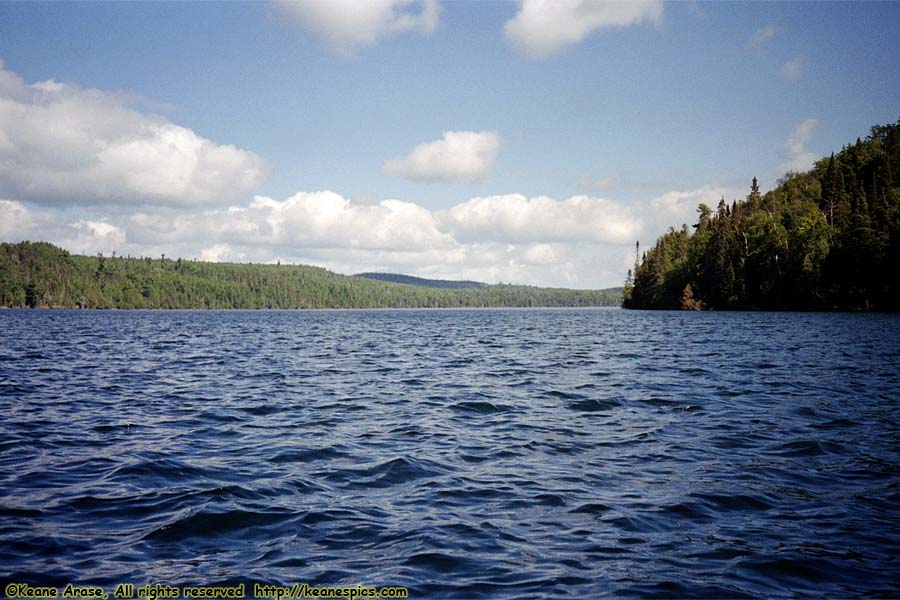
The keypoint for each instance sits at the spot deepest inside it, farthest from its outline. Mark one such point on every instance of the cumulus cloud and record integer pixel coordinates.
(344, 25)
(580, 241)
(61, 144)
(100, 232)
(797, 158)
(542, 27)
(675, 208)
(762, 35)
(545, 254)
(305, 220)
(329, 230)
(489, 262)
(515, 218)
(16, 221)
(20, 223)
(328, 221)
(459, 156)
(791, 69)
(221, 253)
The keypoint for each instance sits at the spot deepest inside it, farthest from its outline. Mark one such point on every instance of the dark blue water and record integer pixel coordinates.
(463, 454)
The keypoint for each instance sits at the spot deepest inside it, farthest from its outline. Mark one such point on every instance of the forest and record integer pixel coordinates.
(41, 275)
(437, 283)
(826, 239)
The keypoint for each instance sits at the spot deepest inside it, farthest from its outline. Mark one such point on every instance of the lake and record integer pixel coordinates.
(458, 453)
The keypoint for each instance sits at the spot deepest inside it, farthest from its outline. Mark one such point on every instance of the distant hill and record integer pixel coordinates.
(38, 274)
(432, 283)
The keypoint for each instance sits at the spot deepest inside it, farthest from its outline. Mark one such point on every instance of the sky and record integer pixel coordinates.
(522, 142)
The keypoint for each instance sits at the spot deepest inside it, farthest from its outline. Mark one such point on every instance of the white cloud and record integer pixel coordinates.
(100, 232)
(16, 221)
(673, 209)
(537, 241)
(791, 69)
(220, 253)
(343, 25)
(305, 220)
(327, 230)
(542, 27)
(19, 223)
(459, 156)
(516, 219)
(329, 222)
(545, 254)
(799, 136)
(61, 144)
(797, 158)
(761, 36)
(578, 242)
(489, 262)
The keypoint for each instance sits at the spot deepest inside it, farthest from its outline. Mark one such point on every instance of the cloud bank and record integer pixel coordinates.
(19, 223)
(324, 220)
(580, 241)
(61, 144)
(458, 157)
(327, 220)
(345, 25)
(543, 27)
(514, 218)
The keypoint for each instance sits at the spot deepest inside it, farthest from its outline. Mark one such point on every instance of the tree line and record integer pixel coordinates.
(39, 274)
(826, 239)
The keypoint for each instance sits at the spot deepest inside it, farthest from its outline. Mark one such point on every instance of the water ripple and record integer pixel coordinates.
(460, 453)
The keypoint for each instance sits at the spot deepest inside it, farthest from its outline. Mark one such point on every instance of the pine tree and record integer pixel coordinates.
(828, 238)
(754, 191)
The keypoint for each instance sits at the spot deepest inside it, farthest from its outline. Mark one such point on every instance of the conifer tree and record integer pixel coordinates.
(828, 238)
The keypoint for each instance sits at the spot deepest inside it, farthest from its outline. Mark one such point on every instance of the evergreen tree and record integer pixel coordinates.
(39, 275)
(754, 191)
(825, 239)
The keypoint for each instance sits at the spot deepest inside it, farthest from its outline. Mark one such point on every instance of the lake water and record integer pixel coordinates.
(459, 453)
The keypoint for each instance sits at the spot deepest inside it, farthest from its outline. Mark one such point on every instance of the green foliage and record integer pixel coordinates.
(436, 283)
(828, 239)
(42, 275)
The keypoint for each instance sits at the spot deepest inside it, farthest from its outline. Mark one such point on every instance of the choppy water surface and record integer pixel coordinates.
(464, 454)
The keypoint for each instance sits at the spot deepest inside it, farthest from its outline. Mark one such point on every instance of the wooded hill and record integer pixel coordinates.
(38, 274)
(436, 283)
(827, 239)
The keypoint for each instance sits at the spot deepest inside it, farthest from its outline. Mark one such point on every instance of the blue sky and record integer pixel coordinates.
(315, 133)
